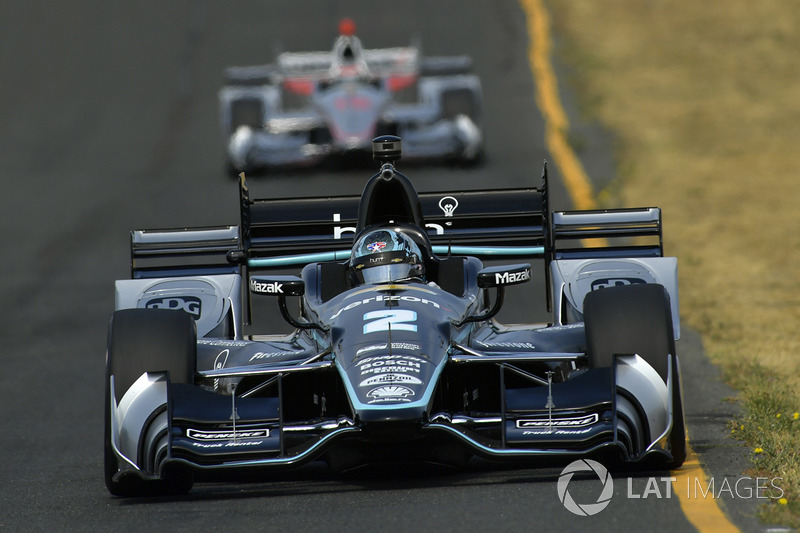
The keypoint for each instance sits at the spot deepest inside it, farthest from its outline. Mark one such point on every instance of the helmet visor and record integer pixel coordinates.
(387, 273)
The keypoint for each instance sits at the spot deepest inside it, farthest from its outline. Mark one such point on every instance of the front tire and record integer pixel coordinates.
(637, 319)
(139, 341)
(631, 319)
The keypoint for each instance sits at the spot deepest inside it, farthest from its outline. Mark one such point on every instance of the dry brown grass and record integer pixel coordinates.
(704, 98)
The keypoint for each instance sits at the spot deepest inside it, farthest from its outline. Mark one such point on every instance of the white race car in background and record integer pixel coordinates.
(310, 107)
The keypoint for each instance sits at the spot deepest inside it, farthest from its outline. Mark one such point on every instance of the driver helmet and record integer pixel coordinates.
(385, 256)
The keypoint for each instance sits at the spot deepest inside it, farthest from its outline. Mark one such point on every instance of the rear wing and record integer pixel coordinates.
(183, 252)
(514, 223)
(500, 223)
(606, 233)
(276, 233)
(380, 62)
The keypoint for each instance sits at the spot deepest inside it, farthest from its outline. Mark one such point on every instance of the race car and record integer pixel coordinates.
(393, 350)
(310, 107)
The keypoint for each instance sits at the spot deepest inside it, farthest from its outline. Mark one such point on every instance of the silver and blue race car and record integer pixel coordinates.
(391, 349)
(310, 107)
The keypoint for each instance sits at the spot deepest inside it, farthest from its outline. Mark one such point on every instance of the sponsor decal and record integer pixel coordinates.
(555, 431)
(512, 277)
(221, 359)
(389, 364)
(523, 345)
(269, 355)
(339, 232)
(229, 444)
(448, 205)
(385, 298)
(604, 283)
(375, 247)
(222, 343)
(395, 346)
(189, 304)
(382, 379)
(227, 435)
(572, 422)
(219, 362)
(266, 288)
(390, 393)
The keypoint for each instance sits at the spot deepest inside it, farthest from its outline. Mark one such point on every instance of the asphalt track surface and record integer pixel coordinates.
(108, 122)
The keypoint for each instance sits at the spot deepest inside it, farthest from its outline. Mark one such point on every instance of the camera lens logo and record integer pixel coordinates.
(585, 509)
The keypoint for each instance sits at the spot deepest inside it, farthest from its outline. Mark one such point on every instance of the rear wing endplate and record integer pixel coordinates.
(606, 233)
(183, 252)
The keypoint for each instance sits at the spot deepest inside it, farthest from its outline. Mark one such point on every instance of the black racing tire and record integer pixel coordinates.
(247, 112)
(145, 340)
(626, 320)
(637, 319)
(460, 102)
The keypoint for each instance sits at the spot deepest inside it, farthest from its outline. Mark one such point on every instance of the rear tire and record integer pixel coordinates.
(139, 341)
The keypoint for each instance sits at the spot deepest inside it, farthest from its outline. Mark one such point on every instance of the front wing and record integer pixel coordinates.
(624, 414)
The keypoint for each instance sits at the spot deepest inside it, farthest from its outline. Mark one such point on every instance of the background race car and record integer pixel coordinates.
(308, 107)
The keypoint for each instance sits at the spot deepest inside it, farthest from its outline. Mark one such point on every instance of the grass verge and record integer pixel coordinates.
(703, 100)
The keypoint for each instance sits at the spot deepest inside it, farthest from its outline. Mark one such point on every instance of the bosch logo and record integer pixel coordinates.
(585, 509)
(189, 304)
(266, 288)
(605, 283)
(507, 278)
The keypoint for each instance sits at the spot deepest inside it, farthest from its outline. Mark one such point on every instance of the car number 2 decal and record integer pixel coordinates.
(394, 319)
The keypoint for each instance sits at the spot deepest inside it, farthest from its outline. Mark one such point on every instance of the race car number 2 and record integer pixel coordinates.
(390, 319)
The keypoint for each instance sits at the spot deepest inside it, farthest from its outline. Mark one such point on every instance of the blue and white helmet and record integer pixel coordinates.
(385, 256)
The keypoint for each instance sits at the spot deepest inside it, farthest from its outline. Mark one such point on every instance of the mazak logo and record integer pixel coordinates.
(266, 288)
(189, 304)
(507, 278)
(585, 509)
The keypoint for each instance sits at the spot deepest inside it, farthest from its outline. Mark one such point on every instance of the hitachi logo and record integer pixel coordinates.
(512, 277)
(266, 288)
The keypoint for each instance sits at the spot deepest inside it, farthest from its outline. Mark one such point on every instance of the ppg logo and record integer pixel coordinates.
(189, 304)
(605, 283)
